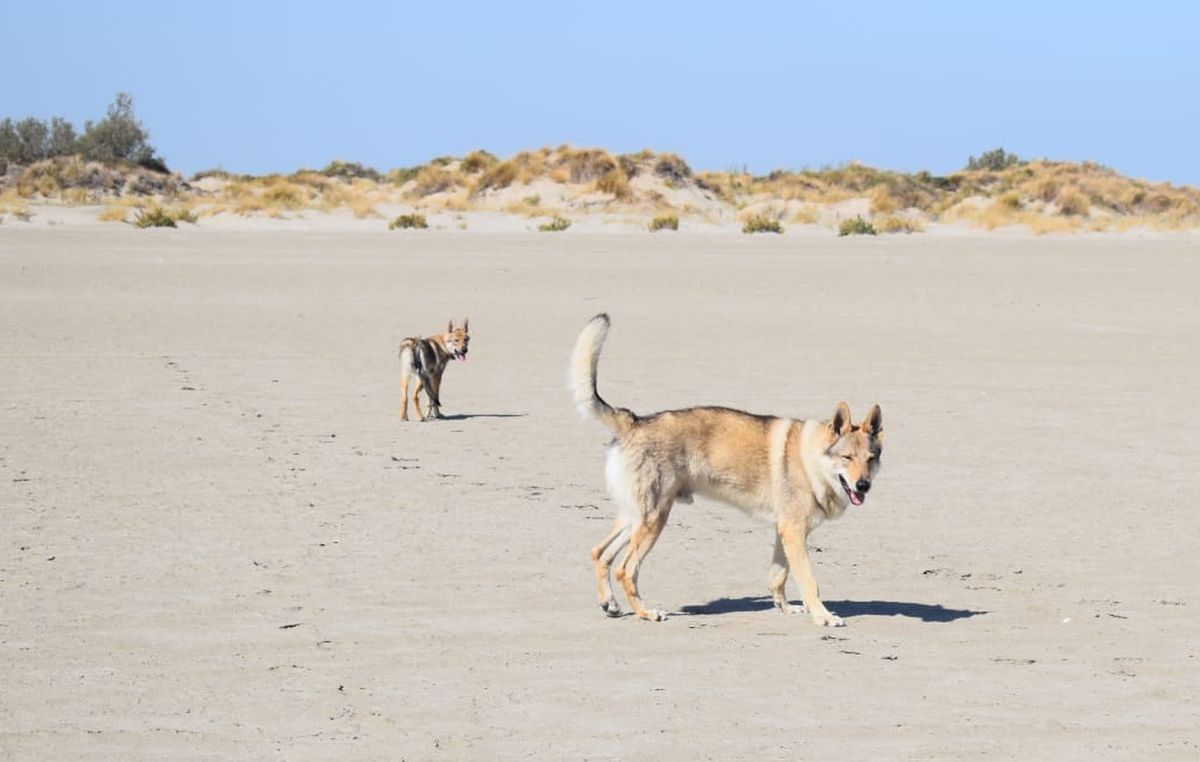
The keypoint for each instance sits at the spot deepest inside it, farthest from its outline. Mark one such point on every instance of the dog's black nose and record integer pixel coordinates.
(862, 485)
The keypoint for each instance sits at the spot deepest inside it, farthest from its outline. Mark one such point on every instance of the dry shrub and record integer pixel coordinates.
(672, 168)
(113, 213)
(881, 200)
(362, 208)
(432, 179)
(283, 196)
(408, 221)
(478, 161)
(762, 223)
(1072, 203)
(898, 224)
(994, 215)
(456, 203)
(526, 209)
(855, 226)
(154, 217)
(1044, 188)
(402, 175)
(806, 215)
(664, 222)
(74, 170)
(1041, 224)
(555, 225)
(77, 196)
(615, 182)
(585, 165)
(499, 176)
(1010, 200)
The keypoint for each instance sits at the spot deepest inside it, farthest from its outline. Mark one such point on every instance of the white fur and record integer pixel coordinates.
(584, 359)
(831, 498)
(620, 486)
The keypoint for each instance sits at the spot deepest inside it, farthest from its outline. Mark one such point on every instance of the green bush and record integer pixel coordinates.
(401, 175)
(856, 226)
(555, 225)
(154, 217)
(350, 170)
(406, 221)
(761, 223)
(665, 222)
(993, 161)
(119, 136)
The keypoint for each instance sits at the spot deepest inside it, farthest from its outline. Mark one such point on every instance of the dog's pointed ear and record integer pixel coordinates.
(466, 323)
(841, 419)
(450, 327)
(873, 423)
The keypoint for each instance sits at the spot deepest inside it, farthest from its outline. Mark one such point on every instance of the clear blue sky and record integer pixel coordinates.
(259, 87)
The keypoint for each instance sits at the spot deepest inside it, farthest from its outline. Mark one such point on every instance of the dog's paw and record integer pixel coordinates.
(826, 619)
(650, 615)
(787, 608)
(611, 608)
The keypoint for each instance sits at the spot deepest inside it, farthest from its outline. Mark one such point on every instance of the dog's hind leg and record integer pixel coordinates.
(602, 557)
(433, 387)
(642, 537)
(417, 398)
(777, 579)
(404, 395)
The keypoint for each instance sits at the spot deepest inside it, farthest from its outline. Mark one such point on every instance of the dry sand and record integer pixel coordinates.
(219, 541)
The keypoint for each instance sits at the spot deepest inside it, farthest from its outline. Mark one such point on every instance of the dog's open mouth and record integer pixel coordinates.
(856, 498)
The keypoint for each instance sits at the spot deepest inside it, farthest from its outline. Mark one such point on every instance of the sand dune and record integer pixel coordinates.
(594, 186)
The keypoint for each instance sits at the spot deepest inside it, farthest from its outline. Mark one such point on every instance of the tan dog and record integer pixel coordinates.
(426, 360)
(790, 472)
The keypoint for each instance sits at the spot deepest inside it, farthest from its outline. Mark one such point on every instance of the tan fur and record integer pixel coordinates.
(793, 473)
(447, 346)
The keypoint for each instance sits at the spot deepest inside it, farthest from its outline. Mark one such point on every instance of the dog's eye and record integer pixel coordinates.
(847, 458)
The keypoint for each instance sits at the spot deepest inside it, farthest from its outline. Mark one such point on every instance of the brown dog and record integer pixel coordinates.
(426, 359)
(790, 472)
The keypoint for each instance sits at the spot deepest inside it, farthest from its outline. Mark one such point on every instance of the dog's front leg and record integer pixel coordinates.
(794, 535)
(777, 579)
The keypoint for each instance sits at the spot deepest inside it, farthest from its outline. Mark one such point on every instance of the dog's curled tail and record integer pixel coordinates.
(583, 377)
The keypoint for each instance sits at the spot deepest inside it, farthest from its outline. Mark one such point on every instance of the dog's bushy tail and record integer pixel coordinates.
(583, 377)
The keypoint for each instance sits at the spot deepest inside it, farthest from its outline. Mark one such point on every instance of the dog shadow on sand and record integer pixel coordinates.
(844, 609)
(468, 416)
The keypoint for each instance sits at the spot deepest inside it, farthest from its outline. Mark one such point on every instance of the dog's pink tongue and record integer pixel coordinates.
(856, 498)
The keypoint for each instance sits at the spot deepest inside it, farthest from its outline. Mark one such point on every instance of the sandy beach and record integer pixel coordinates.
(218, 540)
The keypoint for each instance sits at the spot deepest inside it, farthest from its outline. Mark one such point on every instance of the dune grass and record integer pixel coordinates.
(894, 223)
(159, 217)
(664, 222)
(555, 225)
(761, 223)
(408, 222)
(855, 226)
